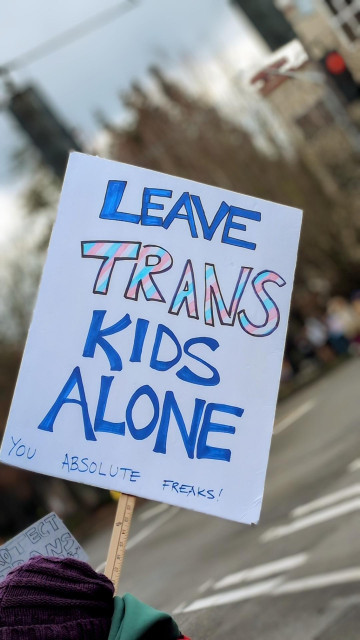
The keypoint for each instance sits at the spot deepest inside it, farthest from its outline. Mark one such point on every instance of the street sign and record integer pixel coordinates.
(153, 361)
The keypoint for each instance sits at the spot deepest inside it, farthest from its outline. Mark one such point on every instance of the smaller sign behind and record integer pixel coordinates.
(47, 537)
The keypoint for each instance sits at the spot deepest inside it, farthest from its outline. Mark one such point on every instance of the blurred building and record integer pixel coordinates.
(268, 20)
(320, 105)
(324, 25)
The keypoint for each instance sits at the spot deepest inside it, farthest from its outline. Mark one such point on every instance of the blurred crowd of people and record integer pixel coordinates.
(320, 331)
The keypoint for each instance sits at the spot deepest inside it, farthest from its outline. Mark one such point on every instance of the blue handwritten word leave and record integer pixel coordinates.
(153, 362)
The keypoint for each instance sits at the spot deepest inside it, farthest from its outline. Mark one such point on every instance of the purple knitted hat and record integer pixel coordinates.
(55, 599)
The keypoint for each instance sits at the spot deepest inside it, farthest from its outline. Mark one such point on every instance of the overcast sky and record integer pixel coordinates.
(89, 74)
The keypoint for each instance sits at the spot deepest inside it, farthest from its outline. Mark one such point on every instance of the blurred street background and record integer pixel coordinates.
(256, 96)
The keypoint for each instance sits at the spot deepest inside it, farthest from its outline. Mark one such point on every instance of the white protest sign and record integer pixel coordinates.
(153, 360)
(46, 537)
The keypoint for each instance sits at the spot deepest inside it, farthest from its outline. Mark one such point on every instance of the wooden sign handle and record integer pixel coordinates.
(119, 536)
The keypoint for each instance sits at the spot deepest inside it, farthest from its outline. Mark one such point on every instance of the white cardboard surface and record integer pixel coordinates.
(176, 401)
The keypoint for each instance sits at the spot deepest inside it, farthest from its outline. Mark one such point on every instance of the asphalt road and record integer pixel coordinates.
(294, 576)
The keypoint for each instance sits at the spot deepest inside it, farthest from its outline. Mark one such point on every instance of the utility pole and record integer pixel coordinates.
(40, 123)
(31, 110)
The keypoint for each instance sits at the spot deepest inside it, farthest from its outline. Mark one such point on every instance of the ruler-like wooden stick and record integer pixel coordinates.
(116, 553)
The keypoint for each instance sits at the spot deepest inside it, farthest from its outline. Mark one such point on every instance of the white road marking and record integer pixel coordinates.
(153, 511)
(294, 416)
(345, 601)
(325, 501)
(179, 609)
(144, 533)
(206, 585)
(311, 520)
(354, 465)
(273, 588)
(101, 567)
(236, 595)
(319, 581)
(262, 571)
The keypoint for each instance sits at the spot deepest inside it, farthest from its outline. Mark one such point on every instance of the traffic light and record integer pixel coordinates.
(52, 139)
(335, 67)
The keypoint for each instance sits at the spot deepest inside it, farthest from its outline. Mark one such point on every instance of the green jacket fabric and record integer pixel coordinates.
(134, 620)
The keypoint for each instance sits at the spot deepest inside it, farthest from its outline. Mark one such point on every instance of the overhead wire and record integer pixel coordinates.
(69, 36)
